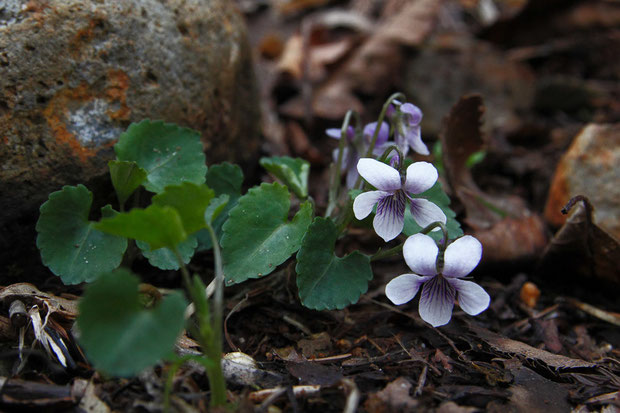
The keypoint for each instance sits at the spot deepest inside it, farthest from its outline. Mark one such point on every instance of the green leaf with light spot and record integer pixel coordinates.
(70, 245)
(168, 153)
(258, 235)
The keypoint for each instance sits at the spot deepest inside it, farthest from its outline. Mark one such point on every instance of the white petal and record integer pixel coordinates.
(462, 256)
(379, 175)
(390, 217)
(421, 176)
(333, 133)
(437, 301)
(425, 212)
(365, 202)
(415, 141)
(420, 252)
(472, 297)
(403, 288)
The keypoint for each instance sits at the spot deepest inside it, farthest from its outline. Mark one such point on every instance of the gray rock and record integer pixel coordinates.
(74, 74)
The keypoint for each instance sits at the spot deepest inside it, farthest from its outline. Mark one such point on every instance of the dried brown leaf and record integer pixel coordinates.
(508, 346)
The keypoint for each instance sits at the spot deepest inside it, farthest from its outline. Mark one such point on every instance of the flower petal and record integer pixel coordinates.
(403, 288)
(421, 176)
(437, 301)
(472, 297)
(462, 256)
(413, 114)
(383, 135)
(379, 175)
(420, 252)
(365, 202)
(414, 138)
(424, 212)
(336, 133)
(390, 218)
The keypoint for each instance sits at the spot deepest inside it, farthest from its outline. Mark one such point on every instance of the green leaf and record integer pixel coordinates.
(164, 258)
(70, 245)
(258, 236)
(325, 281)
(169, 153)
(190, 200)
(224, 179)
(292, 172)
(126, 178)
(159, 226)
(215, 208)
(442, 200)
(119, 336)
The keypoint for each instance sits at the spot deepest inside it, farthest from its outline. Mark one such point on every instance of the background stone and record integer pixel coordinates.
(590, 168)
(74, 74)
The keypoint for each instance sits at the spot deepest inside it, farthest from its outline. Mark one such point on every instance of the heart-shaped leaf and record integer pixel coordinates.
(159, 226)
(119, 336)
(190, 200)
(70, 245)
(293, 172)
(224, 179)
(258, 235)
(169, 153)
(164, 258)
(126, 178)
(325, 281)
(442, 200)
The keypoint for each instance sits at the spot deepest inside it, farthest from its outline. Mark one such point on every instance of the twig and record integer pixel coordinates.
(353, 396)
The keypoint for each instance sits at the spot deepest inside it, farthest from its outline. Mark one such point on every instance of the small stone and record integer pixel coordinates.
(590, 168)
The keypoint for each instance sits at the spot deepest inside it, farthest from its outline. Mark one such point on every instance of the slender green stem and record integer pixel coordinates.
(337, 168)
(400, 155)
(210, 331)
(375, 135)
(387, 253)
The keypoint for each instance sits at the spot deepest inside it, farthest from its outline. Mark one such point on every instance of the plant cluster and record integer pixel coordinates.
(195, 208)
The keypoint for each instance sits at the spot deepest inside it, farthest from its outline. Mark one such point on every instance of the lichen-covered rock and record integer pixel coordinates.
(590, 168)
(75, 73)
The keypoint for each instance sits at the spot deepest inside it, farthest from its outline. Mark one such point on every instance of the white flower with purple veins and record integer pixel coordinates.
(392, 196)
(441, 284)
(354, 150)
(408, 131)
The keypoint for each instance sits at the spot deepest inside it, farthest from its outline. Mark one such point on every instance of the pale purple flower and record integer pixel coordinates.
(392, 196)
(354, 150)
(408, 131)
(440, 286)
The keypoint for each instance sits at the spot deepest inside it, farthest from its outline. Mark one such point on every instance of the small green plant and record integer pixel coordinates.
(193, 208)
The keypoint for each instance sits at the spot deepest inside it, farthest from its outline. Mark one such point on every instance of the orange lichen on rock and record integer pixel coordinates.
(56, 112)
(118, 84)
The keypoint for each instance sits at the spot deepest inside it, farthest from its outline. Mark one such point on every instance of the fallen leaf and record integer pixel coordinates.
(514, 347)
(533, 393)
(394, 397)
(581, 247)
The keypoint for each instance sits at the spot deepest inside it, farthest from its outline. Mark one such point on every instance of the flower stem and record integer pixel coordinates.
(210, 331)
(387, 253)
(337, 168)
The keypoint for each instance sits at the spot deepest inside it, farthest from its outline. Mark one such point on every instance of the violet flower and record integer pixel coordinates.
(392, 196)
(440, 284)
(354, 150)
(408, 131)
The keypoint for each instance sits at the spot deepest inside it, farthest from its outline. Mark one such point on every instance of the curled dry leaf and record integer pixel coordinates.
(394, 397)
(581, 247)
(504, 225)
